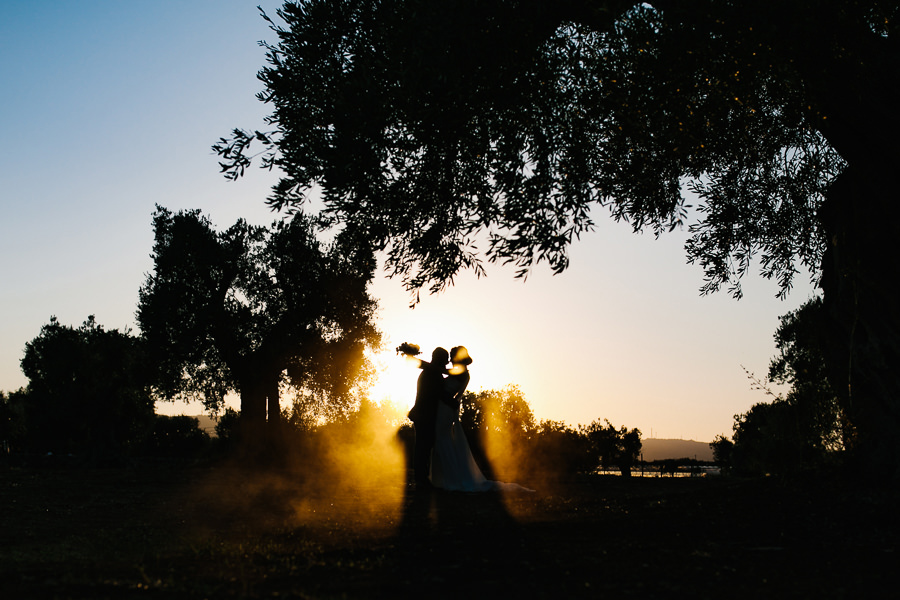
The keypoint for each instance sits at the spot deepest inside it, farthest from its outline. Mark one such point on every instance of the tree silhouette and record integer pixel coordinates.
(12, 420)
(766, 440)
(175, 437)
(807, 428)
(630, 449)
(560, 449)
(723, 452)
(250, 307)
(426, 123)
(613, 447)
(500, 427)
(88, 390)
(506, 410)
(825, 423)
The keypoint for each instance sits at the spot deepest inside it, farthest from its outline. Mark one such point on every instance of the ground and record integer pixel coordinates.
(175, 531)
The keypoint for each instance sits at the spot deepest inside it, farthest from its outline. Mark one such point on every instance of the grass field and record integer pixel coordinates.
(221, 532)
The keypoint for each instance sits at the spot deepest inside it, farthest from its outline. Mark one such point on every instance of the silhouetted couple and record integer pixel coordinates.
(442, 456)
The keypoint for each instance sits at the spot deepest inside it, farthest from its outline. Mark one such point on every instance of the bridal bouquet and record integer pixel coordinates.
(408, 349)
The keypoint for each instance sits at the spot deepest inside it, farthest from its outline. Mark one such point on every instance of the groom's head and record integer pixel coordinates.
(440, 357)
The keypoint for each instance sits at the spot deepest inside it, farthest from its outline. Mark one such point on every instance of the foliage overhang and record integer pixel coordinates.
(428, 125)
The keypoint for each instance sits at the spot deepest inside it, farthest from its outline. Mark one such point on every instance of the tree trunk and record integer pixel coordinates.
(274, 400)
(851, 73)
(275, 433)
(253, 400)
(862, 220)
(253, 414)
(261, 435)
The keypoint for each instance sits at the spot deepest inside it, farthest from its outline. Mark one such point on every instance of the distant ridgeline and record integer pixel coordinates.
(657, 449)
(207, 423)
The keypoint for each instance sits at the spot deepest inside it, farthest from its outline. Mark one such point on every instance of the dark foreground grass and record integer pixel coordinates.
(220, 532)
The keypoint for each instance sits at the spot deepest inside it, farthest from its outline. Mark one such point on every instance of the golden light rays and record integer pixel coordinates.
(363, 466)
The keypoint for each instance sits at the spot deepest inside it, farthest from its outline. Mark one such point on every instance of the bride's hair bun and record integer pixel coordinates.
(460, 355)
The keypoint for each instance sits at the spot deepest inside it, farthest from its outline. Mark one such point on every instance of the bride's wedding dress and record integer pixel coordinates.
(452, 465)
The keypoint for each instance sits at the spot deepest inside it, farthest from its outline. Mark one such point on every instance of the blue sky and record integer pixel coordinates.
(110, 107)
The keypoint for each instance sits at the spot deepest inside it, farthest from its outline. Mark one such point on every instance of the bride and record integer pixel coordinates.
(452, 465)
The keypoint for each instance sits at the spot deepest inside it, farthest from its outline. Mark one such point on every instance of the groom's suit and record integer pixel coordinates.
(428, 392)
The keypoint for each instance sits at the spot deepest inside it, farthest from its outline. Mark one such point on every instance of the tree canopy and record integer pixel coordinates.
(611, 446)
(428, 123)
(88, 390)
(249, 307)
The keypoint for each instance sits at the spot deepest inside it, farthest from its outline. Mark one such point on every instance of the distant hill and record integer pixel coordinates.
(207, 423)
(657, 449)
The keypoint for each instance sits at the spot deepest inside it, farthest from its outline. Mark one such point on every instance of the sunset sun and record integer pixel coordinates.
(395, 381)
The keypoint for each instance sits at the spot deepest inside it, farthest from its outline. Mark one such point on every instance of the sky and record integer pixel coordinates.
(109, 108)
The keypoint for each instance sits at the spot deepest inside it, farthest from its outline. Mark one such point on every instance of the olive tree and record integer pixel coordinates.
(250, 308)
(430, 126)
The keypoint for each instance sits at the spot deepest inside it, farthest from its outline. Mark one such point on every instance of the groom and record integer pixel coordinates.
(428, 392)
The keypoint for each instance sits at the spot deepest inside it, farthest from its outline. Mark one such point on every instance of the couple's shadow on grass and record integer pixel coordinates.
(432, 511)
(438, 509)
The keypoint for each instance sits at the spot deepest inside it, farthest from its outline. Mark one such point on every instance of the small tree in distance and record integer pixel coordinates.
(613, 447)
(561, 450)
(12, 420)
(723, 451)
(88, 391)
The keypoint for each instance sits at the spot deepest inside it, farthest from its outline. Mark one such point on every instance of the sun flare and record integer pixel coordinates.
(396, 379)
(396, 375)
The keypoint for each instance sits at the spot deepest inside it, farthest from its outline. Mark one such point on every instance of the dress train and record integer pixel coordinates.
(452, 465)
